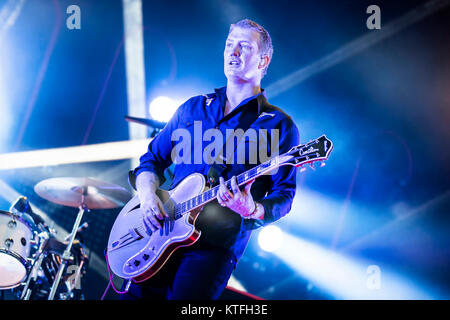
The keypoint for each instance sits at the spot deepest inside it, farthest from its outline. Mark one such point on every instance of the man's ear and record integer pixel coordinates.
(264, 61)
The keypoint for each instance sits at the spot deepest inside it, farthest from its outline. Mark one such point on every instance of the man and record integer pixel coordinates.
(202, 270)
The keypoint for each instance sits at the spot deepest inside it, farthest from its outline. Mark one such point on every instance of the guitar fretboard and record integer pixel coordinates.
(315, 150)
(211, 194)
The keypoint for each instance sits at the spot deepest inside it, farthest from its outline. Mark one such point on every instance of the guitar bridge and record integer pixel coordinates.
(135, 234)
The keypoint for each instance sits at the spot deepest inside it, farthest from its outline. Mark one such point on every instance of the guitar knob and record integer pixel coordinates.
(322, 164)
(302, 168)
(137, 263)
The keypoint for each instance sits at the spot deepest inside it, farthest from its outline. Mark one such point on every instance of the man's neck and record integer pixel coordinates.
(238, 92)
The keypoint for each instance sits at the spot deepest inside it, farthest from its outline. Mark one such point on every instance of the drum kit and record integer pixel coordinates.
(34, 263)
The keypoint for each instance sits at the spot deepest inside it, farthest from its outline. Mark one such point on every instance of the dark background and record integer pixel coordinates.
(382, 197)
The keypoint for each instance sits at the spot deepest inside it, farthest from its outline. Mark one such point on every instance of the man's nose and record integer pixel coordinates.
(236, 51)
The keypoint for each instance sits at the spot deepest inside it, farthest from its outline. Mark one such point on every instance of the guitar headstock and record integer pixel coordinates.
(315, 150)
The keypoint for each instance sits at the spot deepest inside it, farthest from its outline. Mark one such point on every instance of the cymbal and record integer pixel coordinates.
(71, 191)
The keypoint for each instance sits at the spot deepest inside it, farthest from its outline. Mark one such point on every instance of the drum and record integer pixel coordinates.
(15, 245)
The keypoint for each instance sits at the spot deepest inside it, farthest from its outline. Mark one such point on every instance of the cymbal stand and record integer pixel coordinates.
(66, 255)
(26, 292)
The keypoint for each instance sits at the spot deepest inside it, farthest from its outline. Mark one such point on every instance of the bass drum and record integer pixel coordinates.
(15, 245)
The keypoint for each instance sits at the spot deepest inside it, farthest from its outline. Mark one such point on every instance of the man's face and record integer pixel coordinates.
(241, 55)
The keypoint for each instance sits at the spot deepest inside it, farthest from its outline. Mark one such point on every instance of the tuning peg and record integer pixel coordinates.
(302, 168)
(322, 164)
(312, 165)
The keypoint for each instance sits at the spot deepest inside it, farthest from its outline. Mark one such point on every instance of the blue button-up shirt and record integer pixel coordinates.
(222, 226)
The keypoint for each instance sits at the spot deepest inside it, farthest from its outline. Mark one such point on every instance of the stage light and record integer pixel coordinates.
(6, 120)
(162, 108)
(5, 109)
(110, 151)
(347, 277)
(270, 238)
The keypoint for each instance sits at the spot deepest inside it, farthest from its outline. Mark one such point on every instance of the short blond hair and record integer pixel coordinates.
(265, 41)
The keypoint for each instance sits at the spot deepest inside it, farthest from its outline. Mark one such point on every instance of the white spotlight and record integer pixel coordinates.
(270, 238)
(162, 108)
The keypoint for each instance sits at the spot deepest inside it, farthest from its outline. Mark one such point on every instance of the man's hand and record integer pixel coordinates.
(152, 210)
(239, 201)
(151, 206)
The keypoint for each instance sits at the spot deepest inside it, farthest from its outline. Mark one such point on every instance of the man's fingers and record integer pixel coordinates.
(223, 188)
(154, 211)
(221, 198)
(162, 211)
(248, 186)
(148, 227)
(155, 222)
(157, 209)
(151, 219)
(225, 196)
(222, 194)
(234, 186)
(222, 203)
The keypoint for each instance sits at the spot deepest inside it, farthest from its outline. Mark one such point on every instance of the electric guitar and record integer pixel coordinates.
(135, 253)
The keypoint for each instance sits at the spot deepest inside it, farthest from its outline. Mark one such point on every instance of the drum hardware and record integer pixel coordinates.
(66, 255)
(84, 225)
(8, 243)
(12, 224)
(33, 275)
(22, 208)
(85, 194)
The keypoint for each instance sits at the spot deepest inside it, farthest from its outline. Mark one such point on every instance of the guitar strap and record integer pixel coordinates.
(219, 165)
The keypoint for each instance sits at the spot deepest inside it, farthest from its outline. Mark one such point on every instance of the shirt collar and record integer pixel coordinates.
(260, 98)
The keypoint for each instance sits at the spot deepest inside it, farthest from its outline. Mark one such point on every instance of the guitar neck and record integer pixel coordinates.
(211, 194)
(315, 150)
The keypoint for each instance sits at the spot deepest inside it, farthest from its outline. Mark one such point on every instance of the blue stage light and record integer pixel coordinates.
(5, 111)
(351, 277)
(162, 108)
(270, 238)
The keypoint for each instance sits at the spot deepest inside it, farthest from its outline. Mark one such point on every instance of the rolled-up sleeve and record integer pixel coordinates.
(278, 201)
(158, 156)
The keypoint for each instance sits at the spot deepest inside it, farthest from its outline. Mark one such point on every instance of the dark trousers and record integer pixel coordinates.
(191, 273)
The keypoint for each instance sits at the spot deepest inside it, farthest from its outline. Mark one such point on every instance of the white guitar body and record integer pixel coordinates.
(133, 253)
